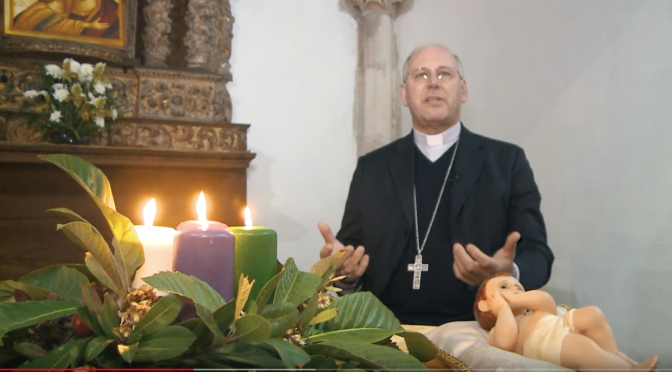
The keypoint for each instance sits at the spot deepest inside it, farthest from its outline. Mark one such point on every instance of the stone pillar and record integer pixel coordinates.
(209, 35)
(157, 30)
(377, 104)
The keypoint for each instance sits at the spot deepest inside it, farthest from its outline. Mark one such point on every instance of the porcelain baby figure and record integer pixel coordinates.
(527, 323)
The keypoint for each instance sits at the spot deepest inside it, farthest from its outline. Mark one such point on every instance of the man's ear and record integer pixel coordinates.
(402, 94)
(483, 305)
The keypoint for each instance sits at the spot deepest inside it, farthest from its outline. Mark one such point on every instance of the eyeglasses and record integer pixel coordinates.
(426, 74)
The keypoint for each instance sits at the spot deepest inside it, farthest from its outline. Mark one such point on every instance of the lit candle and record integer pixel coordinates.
(256, 253)
(206, 249)
(157, 244)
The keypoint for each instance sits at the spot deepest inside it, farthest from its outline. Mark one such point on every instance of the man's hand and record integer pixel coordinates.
(472, 266)
(353, 263)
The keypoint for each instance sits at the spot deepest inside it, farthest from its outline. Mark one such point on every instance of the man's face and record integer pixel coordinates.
(434, 91)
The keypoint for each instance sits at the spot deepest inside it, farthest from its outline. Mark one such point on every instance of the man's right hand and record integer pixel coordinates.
(353, 263)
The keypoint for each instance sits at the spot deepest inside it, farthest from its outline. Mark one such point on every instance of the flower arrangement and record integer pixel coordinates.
(75, 100)
(88, 316)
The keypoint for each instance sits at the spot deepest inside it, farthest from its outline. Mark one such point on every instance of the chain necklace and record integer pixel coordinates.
(418, 267)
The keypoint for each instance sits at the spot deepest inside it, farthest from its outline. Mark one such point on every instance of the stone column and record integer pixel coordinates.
(157, 30)
(377, 104)
(209, 35)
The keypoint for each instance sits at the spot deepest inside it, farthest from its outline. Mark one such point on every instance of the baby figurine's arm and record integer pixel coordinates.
(504, 334)
(532, 300)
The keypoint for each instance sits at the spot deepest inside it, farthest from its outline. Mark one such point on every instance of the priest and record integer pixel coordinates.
(433, 214)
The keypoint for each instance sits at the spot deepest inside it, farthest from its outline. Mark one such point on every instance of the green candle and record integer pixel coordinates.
(256, 254)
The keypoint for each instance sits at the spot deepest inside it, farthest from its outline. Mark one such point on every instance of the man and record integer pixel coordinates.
(476, 196)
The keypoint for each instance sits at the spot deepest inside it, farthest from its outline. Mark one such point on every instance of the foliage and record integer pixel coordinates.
(86, 315)
(74, 98)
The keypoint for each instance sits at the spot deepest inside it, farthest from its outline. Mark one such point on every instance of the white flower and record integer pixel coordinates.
(92, 98)
(114, 114)
(54, 71)
(86, 72)
(61, 94)
(55, 117)
(100, 64)
(58, 86)
(108, 85)
(99, 88)
(74, 65)
(44, 93)
(30, 94)
(100, 121)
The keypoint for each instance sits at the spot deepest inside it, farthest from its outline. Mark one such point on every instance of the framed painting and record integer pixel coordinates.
(97, 28)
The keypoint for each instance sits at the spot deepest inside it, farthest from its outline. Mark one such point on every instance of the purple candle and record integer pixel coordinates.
(206, 250)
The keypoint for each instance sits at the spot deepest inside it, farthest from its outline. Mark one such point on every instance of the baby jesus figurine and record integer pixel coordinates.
(527, 323)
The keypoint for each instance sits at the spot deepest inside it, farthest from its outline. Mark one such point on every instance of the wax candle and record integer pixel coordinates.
(256, 253)
(206, 250)
(157, 244)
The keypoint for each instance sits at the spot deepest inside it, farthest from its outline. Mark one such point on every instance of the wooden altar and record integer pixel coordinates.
(174, 137)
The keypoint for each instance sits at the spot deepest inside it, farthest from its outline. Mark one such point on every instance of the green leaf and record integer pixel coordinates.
(419, 345)
(252, 307)
(63, 281)
(95, 347)
(282, 317)
(127, 352)
(309, 312)
(70, 214)
(159, 316)
(267, 290)
(89, 320)
(206, 362)
(370, 356)
(91, 299)
(366, 335)
(59, 358)
(97, 271)
(252, 355)
(188, 286)
(15, 315)
(244, 288)
(321, 362)
(169, 343)
(122, 271)
(8, 286)
(30, 351)
(209, 320)
(96, 184)
(84, 235)
(324, 316)
(107, 317)
(191, 324)
(322, 266)
(358, 310)
(252, 329)
(295, 286)
(290, 354)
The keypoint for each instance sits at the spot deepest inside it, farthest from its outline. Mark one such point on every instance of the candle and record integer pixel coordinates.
(256, 253)
(157, 244)
(205, 249)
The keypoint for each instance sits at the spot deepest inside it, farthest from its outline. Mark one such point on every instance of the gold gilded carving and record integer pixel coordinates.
(18, 131)
(180, 136)
(65, 47)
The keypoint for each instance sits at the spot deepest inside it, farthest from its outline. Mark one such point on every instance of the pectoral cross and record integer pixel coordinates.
(417, 268)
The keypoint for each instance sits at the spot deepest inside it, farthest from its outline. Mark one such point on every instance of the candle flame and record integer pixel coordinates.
(248, 217)
(200, 210)
(149, 212)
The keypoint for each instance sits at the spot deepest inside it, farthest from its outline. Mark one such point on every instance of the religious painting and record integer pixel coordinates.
(97, 24)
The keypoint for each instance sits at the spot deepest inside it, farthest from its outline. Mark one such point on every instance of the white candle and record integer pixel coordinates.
(157, 243)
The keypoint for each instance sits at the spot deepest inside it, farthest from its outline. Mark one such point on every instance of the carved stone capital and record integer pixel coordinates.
(157, 32)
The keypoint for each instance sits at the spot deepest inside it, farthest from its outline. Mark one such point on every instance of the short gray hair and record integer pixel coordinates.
(460, 68)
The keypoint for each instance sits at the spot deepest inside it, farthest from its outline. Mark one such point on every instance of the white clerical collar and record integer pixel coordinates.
(447, 137)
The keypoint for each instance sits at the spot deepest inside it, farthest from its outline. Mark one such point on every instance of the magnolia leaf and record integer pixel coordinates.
(205, 361)
(253, 355)
(97, 271)
(324, 316)
(122, 271)
(370, 356)
(60, 357)
(295, 286)
(89, 320)
(244, 289)
(107, 317)
(30, 351)
(96, 184)
(63, 281)
(321, 362)
(71, 215)
(91, 299)
(162, 314)
(338, 278)
(322, 266)
(310, 311)
(366, 335)
(83, 235)
(8, 287)
(282, 317)
(188, 286)
(15, 315)
(252, 329)
(209, 320)
(290, 354)
(95, 347)
(333, 289)
(358, 310)
(252, 307)
(127, 352)
(166, 344)
(267, 290)
(419, 345)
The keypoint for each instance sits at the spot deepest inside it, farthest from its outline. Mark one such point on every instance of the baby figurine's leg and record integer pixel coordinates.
(581, 353)
(591, 322)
